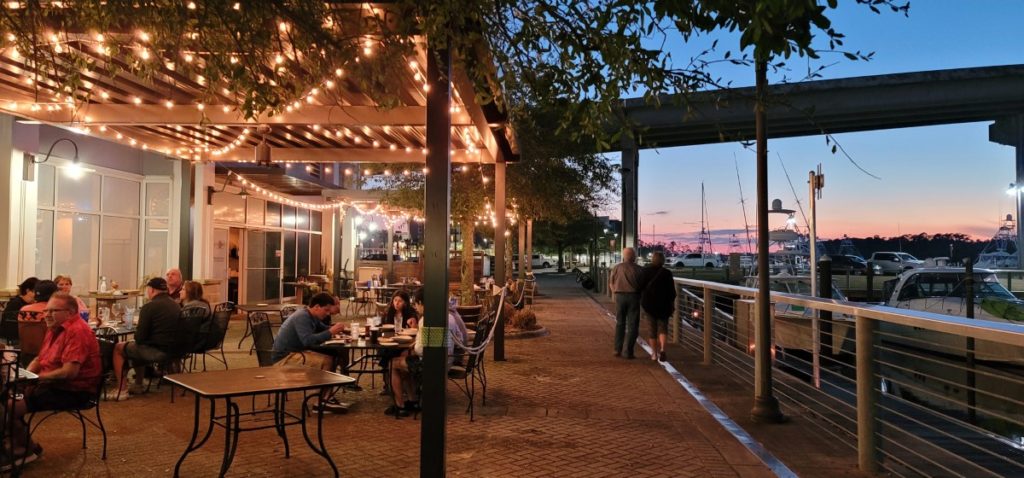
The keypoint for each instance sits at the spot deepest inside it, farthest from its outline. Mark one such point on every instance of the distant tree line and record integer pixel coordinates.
(956, 246)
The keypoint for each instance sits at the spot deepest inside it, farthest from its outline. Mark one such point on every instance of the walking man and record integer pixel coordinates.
(658, 302)
(625, 284)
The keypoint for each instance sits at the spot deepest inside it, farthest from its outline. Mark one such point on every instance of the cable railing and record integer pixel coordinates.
(914, 393)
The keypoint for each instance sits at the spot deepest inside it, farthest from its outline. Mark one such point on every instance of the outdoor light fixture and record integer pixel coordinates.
(262, 149)
(73, 171)
(1012, 190)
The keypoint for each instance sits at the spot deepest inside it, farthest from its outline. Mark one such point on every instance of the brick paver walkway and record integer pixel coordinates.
(560, 406)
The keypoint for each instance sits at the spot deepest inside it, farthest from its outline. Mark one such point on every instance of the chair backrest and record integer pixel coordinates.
(224, 306)
(287, 311)
(470, 313)
(30, 335)
(218, 329)
(382, 308)
(263, 338)
(195, 320)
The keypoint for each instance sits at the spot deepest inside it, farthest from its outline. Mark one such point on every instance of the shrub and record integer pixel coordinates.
(524, 320)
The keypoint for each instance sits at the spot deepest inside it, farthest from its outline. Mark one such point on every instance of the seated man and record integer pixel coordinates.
(406, 368)
(159, 337)
(308, 328)
(68, 367)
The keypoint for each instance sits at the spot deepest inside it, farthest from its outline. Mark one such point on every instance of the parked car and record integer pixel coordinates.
(895, 262)
(379, 256)
(848, 264)
(540, 261)
(696, 259)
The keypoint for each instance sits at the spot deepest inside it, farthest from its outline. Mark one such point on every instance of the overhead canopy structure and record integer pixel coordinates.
(823, 107)
(335, 121)
(831, 106)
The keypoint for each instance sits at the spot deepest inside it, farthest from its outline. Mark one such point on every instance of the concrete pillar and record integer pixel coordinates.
(1010, 132)
(629, 172)
(10, 204)
(186, 197)
(348, 242)
(202, 220)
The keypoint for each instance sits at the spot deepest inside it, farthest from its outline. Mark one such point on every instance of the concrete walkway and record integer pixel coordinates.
(560, 406)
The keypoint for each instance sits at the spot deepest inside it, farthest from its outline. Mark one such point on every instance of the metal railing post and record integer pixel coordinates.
(709, 309)
(675, 317)
(867, 455)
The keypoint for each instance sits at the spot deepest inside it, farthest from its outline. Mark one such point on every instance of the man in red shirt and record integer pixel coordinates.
(68, 366)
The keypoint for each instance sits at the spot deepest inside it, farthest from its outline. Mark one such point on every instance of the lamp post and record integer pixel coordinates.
(1015, 191)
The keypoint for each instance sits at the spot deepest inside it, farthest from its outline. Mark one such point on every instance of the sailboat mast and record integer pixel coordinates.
(705, 226)
(796, 197)
(743, 205)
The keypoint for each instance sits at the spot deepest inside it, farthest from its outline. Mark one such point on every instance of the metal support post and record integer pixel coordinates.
(435, 264)
(709, 325)
(869, 275)
(867, 397)
(972, 398)
(499, 251)
(824, 323)
(766, 407)
(676, 317)
(628, 171)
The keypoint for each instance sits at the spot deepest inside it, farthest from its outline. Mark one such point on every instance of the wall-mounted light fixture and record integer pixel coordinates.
(74, 170)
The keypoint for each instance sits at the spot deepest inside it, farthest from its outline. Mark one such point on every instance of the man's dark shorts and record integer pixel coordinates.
(47, 397)
(657, 326)
(144, 353)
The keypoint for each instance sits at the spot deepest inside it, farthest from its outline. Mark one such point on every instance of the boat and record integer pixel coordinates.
(791, 329)
(1001, 252)
(941, 290)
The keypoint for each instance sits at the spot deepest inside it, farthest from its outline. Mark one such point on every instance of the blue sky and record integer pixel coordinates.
(933, 179)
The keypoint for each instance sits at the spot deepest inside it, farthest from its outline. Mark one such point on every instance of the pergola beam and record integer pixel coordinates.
(350, 155)
(160, 115)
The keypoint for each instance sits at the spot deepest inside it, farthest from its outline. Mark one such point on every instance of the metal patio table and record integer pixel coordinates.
(233, 385)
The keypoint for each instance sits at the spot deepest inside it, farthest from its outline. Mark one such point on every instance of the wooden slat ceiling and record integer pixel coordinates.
(332, 123)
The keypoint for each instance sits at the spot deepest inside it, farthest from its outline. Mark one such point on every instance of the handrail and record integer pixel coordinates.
(1001, 332)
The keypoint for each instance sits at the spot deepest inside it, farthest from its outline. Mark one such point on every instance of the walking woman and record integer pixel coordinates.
(658, 302)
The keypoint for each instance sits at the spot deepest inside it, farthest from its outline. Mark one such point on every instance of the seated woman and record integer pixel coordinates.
(44, 289)
(9, 322)
(401, 311)
(64, 284)
(407, 367)
(193, 296)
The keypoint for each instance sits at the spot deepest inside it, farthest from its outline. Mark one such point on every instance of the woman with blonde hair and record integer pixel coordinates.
(64, 285)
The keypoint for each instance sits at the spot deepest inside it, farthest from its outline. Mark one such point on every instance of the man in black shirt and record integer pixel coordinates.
(158, 336)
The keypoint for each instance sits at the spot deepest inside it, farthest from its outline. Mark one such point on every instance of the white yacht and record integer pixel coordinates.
(1001, 253)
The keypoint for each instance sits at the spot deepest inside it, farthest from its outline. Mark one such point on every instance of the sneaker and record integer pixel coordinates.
(114, 396)
(331, 406)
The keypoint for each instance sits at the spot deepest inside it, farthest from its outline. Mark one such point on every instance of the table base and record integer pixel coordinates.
(232, 423)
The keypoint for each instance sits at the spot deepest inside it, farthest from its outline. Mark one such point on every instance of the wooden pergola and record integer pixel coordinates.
(436, 121)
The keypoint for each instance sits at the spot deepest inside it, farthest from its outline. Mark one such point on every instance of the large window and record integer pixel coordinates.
(96, 224)
(282, 243)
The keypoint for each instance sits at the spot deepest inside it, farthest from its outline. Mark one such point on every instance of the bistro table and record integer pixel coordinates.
(233, 385)
(117, 332)
(343, 350)
(108, 299)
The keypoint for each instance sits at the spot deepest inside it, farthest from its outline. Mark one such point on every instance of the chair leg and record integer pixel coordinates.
(81, 421)
(103, 430)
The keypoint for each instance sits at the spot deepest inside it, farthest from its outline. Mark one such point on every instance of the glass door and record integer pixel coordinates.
(263, 266)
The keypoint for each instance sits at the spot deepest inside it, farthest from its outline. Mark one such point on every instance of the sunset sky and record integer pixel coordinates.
(933, 179)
